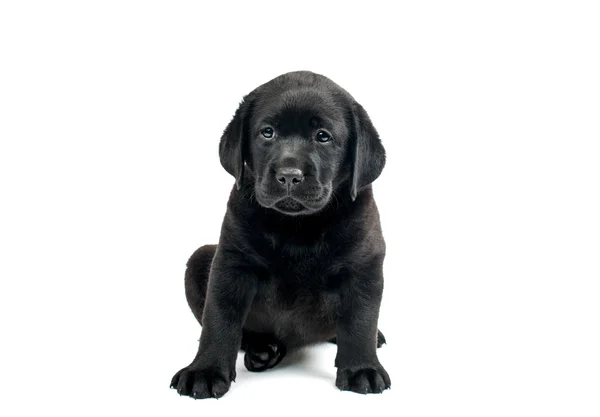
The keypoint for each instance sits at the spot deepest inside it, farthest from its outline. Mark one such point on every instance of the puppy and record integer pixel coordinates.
(300, 256)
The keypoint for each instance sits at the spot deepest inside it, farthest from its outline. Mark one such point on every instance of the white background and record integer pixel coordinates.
(110, 116)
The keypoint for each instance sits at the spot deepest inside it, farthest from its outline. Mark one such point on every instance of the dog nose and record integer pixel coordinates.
(291, 176)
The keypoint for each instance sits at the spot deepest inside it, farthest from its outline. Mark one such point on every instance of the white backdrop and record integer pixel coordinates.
(110, 116)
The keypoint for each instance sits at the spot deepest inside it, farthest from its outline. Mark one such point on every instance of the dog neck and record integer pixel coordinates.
(340, 213)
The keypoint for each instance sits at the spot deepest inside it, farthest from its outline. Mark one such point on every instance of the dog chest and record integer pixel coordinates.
(295, 310)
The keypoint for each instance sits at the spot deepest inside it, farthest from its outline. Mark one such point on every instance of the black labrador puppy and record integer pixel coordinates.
(300, 257)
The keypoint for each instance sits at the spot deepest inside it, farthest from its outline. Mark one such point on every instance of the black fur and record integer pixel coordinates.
(300, 256)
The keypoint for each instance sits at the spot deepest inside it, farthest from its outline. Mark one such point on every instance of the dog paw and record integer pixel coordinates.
(201, 383)
(363, 381)
(380, 339)
(260, 357)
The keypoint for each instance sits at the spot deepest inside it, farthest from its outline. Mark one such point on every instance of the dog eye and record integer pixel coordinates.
(323, 136)
(267, 132)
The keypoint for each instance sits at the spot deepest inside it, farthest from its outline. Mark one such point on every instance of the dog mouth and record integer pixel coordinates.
(293, 203)
(290, 205)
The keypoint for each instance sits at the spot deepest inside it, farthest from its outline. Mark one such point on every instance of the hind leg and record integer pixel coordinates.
(263, 351)
(196, 278)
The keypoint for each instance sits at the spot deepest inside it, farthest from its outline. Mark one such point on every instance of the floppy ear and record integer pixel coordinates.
(367, 152)
(233, 144)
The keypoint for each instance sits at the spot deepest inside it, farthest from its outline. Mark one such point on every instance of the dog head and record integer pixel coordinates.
(301, 138)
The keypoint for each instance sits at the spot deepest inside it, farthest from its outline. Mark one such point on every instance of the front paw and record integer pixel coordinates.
(363, 380)
(202, 382)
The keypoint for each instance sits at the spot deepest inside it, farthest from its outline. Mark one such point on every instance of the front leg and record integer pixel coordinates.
(359, 369)
(231, 290)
